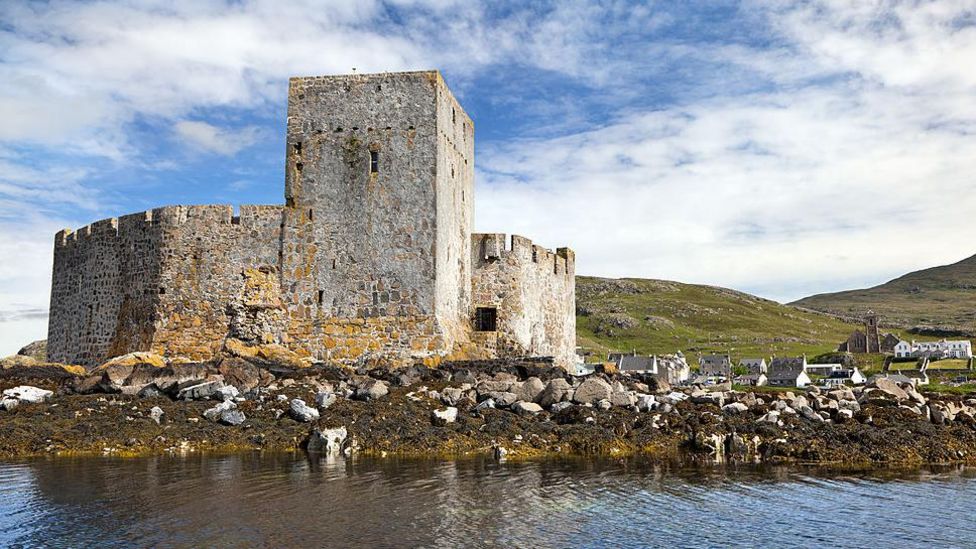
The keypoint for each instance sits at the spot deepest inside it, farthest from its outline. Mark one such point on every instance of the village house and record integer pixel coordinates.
(823, 370)
(758, 379)
(934, 349)
(845, 376)
(754, 365)
(718, 366)
(788, 372)
(671, 368)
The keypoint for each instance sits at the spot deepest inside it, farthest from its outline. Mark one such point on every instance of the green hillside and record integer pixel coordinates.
(657, 316)
(942, 297)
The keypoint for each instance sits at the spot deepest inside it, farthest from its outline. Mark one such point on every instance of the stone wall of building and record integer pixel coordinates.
(167, 280)
(534, 294)
(217, 272)
(370, 259)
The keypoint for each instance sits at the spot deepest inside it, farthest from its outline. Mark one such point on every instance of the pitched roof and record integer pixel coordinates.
(636, 363)
(786, 367)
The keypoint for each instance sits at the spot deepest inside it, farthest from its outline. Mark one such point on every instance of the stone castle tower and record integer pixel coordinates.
(371, 258)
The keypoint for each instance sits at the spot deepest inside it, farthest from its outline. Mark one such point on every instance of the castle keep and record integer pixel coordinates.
(370, 259)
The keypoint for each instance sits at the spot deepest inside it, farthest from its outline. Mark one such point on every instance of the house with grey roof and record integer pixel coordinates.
(788, 372)
(751, 380)
(754, 365)
(671, 368)
(715, 366)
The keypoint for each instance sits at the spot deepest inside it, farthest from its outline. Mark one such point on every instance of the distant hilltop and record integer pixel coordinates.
(935, 301)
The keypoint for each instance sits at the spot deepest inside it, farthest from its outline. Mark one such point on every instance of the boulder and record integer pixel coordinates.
(503, 399)
(134, 359)
(494, 386)
(198, 390)
(914, 395)
(214, 413)
(451, 395)
(326, 441)
(851, 405)
(150, 391)
(26, 394)
(604, 404)
(841, 394)
(844, 415)
(592, 391)
(156, 414)
(530, 390)
(735, 408)
(560, 406)
(645, 403)
(485, 404)
(226, 392)
(301, 411)
(623, 399)
(372, 389)
(36, 350)
(243, 375)
(523, 408)
(8, 403)
(232, 417)
(889, 388)
(770, 417)
(325, 399)
(445, 416)
(555, 391)
(810, 414)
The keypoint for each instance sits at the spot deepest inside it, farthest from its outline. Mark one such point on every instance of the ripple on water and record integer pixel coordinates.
(283, 500)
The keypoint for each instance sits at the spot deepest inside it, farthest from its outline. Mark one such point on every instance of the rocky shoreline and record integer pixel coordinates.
(143, 404)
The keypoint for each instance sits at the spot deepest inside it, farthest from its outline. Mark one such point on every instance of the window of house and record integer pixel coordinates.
(486, 319)
(374, 161)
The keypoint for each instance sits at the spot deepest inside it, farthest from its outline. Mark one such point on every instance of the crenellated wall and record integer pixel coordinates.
(534, 293)
(370, 259)
(161, 280)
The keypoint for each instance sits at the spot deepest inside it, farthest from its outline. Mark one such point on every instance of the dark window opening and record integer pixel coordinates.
(486, 319)
(453, 115)
(374, 162)
(338, 129)
(335, 263)
(321, 296)
(310, 214)
(162, 291)
(236, 220)
(299, 166)
(535, 256)
(298, 148)
(379, 87)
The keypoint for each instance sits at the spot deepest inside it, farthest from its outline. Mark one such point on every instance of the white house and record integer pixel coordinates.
(935, 349)
(788, 372)
(823, 369)
(851, 376)
(754, 365)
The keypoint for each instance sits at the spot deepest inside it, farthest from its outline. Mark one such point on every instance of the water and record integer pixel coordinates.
(287, 500)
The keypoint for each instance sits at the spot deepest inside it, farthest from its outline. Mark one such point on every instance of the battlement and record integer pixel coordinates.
(251, 216)
(491, 247)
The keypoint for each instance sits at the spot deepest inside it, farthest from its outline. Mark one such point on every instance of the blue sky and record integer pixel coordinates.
(780, 148)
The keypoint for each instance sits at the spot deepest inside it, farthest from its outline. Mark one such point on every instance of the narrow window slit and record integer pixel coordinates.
(374, 161)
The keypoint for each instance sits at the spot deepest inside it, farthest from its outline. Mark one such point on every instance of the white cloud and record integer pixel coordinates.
(225, 141)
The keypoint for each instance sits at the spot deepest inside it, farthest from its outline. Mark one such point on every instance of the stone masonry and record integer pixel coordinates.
(371, 259)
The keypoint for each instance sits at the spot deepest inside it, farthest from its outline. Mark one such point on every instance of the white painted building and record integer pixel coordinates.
(935, 349)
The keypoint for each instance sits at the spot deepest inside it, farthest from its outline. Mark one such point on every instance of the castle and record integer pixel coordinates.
(371, 258)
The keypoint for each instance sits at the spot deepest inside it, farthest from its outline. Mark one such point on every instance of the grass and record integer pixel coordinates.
(941, 296)
(948, 364)
(963, 389)
(654, 316)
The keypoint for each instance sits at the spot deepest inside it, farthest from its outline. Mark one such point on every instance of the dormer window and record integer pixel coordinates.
(374, 162)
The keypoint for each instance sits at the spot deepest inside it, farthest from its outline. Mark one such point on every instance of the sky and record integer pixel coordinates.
(780, 148)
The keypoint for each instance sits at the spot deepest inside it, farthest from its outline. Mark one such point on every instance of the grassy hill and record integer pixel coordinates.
(657, 316)
(942, 297)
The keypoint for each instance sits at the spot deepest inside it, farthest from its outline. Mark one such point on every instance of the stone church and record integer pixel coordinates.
(371, 259)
